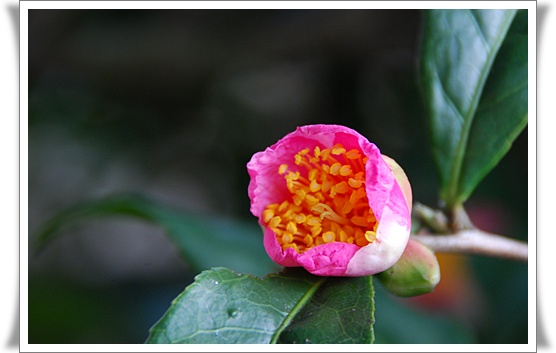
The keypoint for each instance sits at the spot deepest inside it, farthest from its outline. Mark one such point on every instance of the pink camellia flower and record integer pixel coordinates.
(329, 201)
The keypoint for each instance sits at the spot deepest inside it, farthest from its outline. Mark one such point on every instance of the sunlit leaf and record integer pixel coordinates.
(222, 306)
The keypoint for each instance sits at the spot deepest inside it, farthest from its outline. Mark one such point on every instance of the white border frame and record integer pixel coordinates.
(23, 166)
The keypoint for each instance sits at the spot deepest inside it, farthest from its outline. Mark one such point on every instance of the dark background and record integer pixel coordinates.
(172, 104)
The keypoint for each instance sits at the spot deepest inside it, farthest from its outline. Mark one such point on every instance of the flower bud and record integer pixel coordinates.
(416, 272)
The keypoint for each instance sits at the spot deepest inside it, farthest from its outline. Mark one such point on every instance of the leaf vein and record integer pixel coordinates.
(448, 98)
(479, 30)
(306, 297)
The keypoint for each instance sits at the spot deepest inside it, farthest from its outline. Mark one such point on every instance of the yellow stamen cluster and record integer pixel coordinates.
(328, 200)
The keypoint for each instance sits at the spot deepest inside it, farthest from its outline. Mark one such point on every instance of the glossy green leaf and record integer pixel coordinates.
(502, 111)
(222, 306)
(204, 242)
(342, 311)
(474, 78)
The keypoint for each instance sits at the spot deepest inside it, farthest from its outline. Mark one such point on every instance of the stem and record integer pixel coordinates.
(474, 241)
(460, 220)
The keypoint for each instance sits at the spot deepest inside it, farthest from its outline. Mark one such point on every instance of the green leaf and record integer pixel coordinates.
(474, 78)
(342, 311)
(502, 111)
(222, 306)
(204, 242)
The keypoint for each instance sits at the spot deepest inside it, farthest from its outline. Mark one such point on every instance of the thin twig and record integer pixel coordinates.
(475, 241)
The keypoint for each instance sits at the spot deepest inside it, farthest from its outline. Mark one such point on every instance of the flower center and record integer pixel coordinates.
(328, 201)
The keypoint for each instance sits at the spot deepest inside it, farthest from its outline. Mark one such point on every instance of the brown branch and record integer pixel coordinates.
(474, 241)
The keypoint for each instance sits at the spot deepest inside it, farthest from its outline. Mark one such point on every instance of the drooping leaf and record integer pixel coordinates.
(204, 242)
(474, 78)
(293, 306)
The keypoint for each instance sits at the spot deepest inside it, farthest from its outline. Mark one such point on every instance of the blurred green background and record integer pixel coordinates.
(172, 104)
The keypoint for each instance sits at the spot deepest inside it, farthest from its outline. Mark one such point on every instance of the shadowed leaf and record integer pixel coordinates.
(204, 242)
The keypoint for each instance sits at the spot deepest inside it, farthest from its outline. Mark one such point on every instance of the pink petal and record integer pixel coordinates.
(330, 259)
(391, 239)
(385, 196)
(286, 258)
